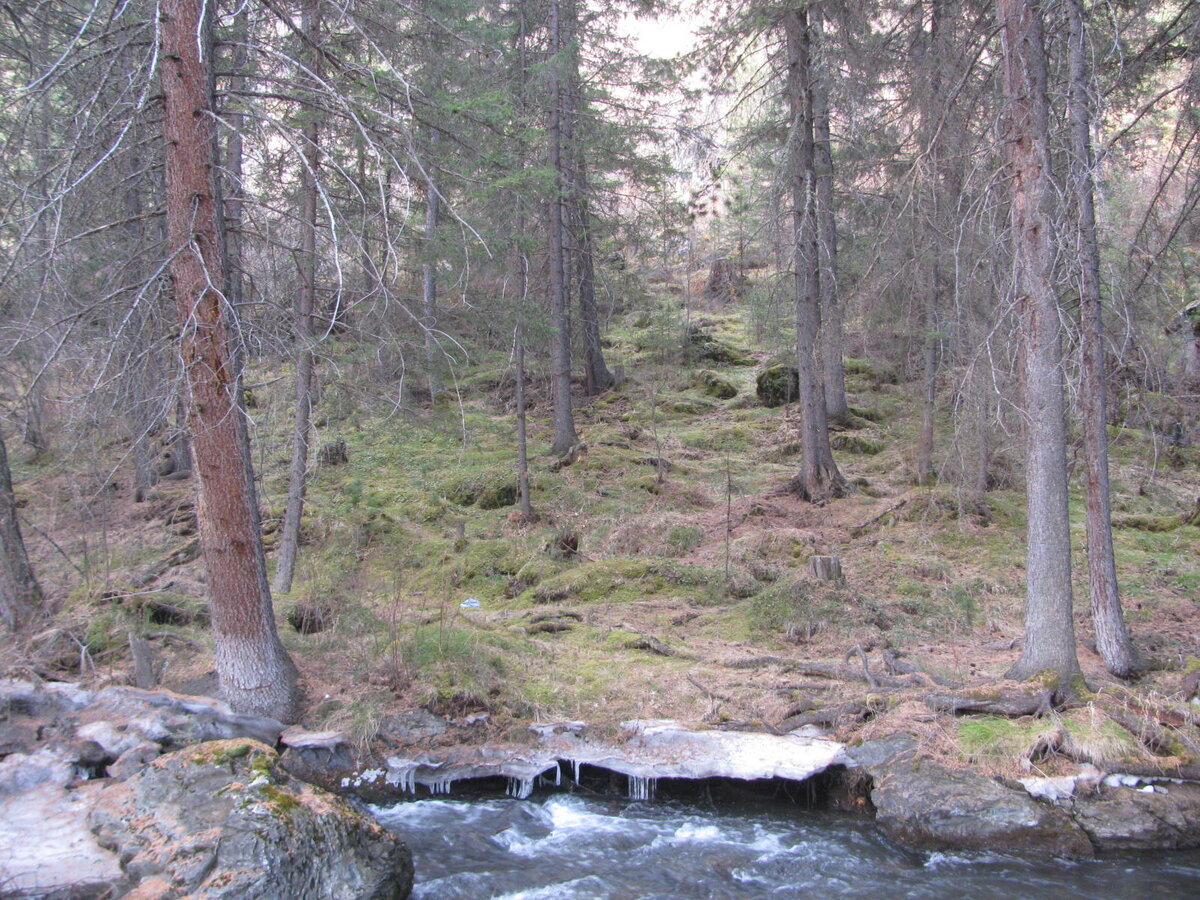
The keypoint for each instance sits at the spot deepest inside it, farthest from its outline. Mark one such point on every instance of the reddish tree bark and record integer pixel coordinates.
(255, 672)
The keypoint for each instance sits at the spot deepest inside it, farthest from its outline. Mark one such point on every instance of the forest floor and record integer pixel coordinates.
(674, 589)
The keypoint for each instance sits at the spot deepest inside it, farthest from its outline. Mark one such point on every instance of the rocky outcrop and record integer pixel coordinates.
(257, 833)
(928, 807)
(47, 849)
(97, 800)
(215, 820)
(1162, 815)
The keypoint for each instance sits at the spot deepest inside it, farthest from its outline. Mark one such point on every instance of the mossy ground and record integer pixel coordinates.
(700, 552)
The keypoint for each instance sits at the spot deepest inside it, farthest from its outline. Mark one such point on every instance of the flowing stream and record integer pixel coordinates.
(579, 847)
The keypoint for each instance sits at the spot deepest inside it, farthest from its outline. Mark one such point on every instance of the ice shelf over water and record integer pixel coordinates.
(650, 750)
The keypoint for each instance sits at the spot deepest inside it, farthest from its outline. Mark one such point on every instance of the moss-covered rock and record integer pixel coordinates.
(706, 346)
(875, 372)
(778, 385)
(856, 443)
(714, 385)
(490, 488)
(687, 407)
(619, 578)
(223, 820)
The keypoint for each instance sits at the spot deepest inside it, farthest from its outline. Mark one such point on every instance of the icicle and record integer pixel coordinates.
(557, 775)
(520, 788)
(575, 764)
(403, 775)
(441, 785)
(641, 787)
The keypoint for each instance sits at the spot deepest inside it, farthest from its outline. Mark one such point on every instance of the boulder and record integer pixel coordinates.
(222, 820)
(715, 386)
(706, 346)
(1158, 816)
(47, 849)
(928, 807)
(778, 385)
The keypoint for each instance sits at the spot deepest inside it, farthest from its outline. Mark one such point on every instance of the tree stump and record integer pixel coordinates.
(826, 568)
(143, 662)
(725, 284)
(333, 453)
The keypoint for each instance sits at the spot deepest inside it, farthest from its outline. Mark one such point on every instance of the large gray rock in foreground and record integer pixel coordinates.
(220, 820)
(215, 820)
(928, 807)
(1160, 816)
(48, 850)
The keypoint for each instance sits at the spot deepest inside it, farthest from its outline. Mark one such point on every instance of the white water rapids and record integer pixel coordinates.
(575, 847)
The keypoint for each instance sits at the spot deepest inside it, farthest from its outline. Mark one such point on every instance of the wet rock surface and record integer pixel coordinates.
(98, 800)
(929, 807)
(1161, 815)
(926, 806)
(257, 834)
(96, 782)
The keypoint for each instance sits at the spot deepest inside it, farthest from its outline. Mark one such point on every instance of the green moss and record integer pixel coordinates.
(994, 738)
(718, 438)
(875, 372)
(871, 415)
(691, 407)
(489, 488)
(618, 579)
(281, 801)
(705, 346)
(223, 753)
(1153, 524)
(778, 385)
(715, 386)
(854, 443)
(262, 765)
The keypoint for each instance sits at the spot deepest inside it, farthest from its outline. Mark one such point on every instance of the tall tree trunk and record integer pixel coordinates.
(21, 599)
(255, 672)
(923, 463)
(142, 413)
(1049, 624)
(429, 280)
(1112, 636)
(305, 326)
(934, 226)
(524, 502)
(819, 478)
(234, 193)
(832, 369)
(597, 377)
(560, 310)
